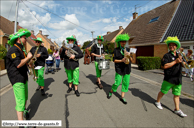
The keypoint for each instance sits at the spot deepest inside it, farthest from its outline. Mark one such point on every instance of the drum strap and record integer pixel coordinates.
(100, 47)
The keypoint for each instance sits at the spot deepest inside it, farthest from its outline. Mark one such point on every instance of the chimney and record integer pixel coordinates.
(32, 32)
(40, 31)
(108, 32)
(120, 27)
(135, 15)
(46, 36)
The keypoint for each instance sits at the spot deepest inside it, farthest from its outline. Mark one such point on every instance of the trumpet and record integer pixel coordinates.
(70, 52)
(127, 56)
(188, 64)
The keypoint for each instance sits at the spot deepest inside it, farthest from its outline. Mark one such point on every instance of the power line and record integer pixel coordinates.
(58, 16)
(37, 19)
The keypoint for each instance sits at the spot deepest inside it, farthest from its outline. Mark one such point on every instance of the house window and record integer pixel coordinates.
(154, 19)
(186, 47)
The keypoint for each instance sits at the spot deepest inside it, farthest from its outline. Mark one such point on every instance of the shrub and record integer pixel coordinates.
(148, 63)
(3, 52)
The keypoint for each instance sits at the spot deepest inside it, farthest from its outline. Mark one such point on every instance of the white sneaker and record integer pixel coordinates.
(180, 113)
(158, 105)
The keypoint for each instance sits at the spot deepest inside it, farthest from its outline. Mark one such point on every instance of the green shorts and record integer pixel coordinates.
(73, 75)
(98, 72)
(166, 86)
(21, 95)
(40, 75)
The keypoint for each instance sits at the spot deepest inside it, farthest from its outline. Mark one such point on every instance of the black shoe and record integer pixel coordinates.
(38, 88)
(109, 95)
(69, 90)
(26, 115)
(77, 93)
(123, 100)
(42, 92)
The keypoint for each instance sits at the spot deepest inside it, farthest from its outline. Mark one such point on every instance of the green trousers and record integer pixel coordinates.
(98, 72)
(21, 95)
(73, 75)
(40, 75)
(125, 79)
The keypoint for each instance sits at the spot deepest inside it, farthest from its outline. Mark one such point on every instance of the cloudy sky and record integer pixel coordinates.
(62, 18)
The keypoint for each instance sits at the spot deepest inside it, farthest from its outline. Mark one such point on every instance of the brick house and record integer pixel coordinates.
(48, 44)
(149, 30)
(111, 36)
(7, 28)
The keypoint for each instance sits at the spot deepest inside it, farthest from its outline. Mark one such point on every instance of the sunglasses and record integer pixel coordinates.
(71, 40)
(37, 42)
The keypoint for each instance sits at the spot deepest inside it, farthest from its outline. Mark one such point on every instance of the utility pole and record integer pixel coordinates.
(92, 34)
(16, 16)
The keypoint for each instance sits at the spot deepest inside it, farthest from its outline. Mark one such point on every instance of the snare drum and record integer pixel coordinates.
(104, 64)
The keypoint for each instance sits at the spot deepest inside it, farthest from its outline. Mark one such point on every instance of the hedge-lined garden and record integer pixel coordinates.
(148, 63)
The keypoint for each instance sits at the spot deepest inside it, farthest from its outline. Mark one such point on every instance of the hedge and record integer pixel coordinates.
(148, 63)
(3, 52)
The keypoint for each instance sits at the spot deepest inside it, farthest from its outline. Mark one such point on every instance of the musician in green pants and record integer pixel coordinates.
(71, 64)
(98, 53)
(41, 55)
(16, 64)
(122, 68)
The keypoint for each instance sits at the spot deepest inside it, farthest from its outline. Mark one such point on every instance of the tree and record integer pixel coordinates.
(85, 44)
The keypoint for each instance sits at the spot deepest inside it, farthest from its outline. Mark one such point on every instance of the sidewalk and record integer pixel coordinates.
(3, 72)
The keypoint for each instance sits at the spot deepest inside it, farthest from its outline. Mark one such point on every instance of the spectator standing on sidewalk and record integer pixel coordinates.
(57, 58)
(172, 74)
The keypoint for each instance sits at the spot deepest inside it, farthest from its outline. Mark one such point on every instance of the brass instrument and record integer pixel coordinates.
(189, 64)
(127, 56)
(70, 52)
(32, 61)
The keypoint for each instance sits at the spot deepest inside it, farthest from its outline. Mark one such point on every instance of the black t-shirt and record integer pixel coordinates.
(172, 75)
(43, 55)
(13, 59)
(96, 50)
(70, 63)
(121, 68)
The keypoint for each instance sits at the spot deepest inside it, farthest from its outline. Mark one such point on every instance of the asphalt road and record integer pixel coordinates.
(93, 109)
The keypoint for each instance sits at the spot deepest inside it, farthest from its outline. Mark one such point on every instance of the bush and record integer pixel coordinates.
(148, 63)
(109, 57)
(50, 51)
(3, 52)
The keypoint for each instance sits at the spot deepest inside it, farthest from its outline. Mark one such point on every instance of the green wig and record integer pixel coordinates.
(174, 40)
(121, 37)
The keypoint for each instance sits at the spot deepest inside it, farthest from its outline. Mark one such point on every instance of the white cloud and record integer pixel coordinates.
(105, 20)
(80, 36)
(66, 25)
(107, 1)
(115, 26)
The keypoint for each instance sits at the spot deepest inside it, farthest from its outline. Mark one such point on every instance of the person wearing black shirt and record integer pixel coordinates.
(17, 69)
(98, 53)
(41, 56)
(122, 69)
(171, 63)
(71, 64)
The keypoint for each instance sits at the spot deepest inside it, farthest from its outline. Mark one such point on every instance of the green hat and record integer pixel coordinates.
(21, 32)
(174, 40)
(100, 38)
(71, 38)
(121, 37)
(38, 39)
